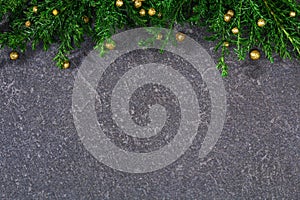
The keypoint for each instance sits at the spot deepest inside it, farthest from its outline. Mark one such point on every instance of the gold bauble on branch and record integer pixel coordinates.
(151, 11)
(292, 14)
(55, 12)
(110, 45)
(66, 64)
(159, 36)
(27, 24)
(119, 3)
(261, 22)
(227, 18)
(142, 12)
(137, 4)
(180, 37)
(226, 44)
(230, 12)
(255, 54)
(14, 55)
(35, 9)
(85, 19)
(235, 30)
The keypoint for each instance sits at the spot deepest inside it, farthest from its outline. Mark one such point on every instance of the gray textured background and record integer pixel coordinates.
(42, 157)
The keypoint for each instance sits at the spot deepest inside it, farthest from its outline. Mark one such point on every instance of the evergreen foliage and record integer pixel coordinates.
(279, 35)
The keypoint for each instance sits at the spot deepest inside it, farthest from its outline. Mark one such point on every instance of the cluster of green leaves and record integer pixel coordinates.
(279, 35)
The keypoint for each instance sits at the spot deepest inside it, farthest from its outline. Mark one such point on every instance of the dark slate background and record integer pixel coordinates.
(42, 157)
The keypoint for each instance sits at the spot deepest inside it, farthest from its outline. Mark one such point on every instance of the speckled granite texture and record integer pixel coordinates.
(42, 156)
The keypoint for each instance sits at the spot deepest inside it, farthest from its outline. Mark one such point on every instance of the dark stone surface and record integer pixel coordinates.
(42, 157)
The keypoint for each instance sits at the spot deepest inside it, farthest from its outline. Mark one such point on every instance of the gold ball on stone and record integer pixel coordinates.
(14, 55)
(110, 45)
(159, 36)
(255, 54)
(66, 64)
(180, 37)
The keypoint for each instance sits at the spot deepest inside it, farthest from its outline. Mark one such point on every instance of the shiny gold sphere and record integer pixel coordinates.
(137, 4)
(35, 9)
(85, 19)
(226, 44)
(261, 22)
(255, 54)
(119, 3)
(110, 45)
(230, 12)
(66, 64)
(55, 12)
(180, 37)
(27, 24)
(14, 55)
(142, 12)
(159, 36)
(151, 11)
(235, 30)
(227, 18)
(292, 14)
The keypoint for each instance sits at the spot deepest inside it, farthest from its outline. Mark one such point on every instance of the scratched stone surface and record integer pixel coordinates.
(256, 157)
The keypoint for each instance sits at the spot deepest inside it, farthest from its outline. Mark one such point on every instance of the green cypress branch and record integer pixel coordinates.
(279, 35)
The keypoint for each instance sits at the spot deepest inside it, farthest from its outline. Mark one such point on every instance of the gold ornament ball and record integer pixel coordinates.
(230, 12)
(14, 55)
(110, 46)
(85, 19)
(292, 14)
(55, 12)
(35, 9)
(261, 22)
(159, 15)
(119, 3)
(227, 18)
(226, 44)
(27, 24)
(235, 30)
(142, 12)
(180, 37)
(66, 64)
(137, 4)
(255, 54)
(159, 36)
(151, 11)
